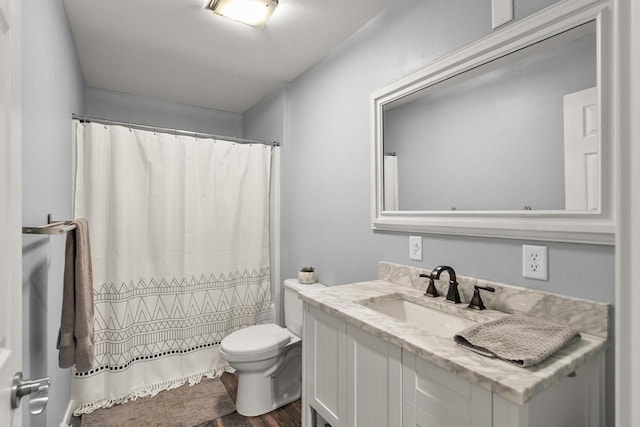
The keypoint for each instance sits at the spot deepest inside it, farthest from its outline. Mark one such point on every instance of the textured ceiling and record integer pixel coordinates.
(176, 50)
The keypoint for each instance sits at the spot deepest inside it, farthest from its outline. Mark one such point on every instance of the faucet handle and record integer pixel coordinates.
(476, 302)
(431, 289)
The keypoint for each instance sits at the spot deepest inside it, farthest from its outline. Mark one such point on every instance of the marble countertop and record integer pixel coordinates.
(517, 384)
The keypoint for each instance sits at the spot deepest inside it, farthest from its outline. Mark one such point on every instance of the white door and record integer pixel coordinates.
(10, 214)
(581, 150)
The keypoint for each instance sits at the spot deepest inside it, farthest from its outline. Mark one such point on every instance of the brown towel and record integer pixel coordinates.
(522, 340)
(76, 338)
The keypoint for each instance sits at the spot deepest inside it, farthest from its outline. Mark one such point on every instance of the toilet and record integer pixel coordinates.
(268, 358)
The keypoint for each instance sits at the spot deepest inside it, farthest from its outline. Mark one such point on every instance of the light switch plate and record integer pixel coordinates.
(415, 248)
(535, 262)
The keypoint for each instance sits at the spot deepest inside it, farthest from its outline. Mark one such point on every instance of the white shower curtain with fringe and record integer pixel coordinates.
(179, 230)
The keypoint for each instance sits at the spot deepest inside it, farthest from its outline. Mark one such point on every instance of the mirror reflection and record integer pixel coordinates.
(520, 132)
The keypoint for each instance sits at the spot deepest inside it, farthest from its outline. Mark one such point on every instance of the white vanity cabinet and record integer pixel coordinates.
(374, 381)
(324, 367)
(574, 401)
(351, 378)
(354, 379)
(435, 397)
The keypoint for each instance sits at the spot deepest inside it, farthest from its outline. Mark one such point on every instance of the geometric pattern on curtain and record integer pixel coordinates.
(179, 230)
(143, 321)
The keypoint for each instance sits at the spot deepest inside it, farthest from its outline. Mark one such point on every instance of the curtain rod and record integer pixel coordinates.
(85, 119)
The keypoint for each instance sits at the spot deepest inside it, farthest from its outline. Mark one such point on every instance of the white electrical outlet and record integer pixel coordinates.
(535, 262)
(415, 248)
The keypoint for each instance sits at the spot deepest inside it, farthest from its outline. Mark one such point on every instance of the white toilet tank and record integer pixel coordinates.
(293, 304)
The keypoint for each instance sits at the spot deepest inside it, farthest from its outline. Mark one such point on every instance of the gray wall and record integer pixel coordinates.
(52, 89)
(326, 163)
(265, 120)
(126, 108)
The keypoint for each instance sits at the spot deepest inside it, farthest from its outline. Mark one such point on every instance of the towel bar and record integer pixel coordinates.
(52, 227)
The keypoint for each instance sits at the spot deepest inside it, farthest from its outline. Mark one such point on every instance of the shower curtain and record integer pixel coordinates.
(179, 230)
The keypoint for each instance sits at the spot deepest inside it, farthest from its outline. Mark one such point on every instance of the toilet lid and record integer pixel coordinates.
(256, 339)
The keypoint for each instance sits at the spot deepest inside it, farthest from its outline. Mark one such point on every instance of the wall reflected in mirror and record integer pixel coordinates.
(520, 132)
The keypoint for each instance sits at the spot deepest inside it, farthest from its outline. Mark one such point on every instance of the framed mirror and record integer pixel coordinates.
(506, 137)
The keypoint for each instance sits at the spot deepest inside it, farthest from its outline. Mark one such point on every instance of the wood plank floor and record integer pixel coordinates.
(286, 416)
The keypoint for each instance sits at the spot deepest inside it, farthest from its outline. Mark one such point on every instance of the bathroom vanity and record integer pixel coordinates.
(365, 367)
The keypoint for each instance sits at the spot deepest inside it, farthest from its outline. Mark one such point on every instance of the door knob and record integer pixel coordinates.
(39, 389)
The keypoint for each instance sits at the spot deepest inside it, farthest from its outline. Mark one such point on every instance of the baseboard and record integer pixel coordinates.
(66, 420)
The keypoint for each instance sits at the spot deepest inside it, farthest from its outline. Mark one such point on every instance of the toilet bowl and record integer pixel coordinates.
(268, 358)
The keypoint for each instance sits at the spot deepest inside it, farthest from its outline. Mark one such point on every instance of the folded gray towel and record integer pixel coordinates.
(524, 341)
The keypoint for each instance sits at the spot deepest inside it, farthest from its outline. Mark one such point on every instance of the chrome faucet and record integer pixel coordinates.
(452, 294)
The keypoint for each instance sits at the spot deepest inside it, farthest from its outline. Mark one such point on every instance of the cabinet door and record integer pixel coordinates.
(324, 367)
(434, 397)
(576, 401)
(374, 381)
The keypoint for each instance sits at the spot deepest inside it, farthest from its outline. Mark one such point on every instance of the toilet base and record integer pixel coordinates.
(262, 392)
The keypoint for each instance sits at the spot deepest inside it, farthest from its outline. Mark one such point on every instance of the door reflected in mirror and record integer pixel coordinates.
(517, 133)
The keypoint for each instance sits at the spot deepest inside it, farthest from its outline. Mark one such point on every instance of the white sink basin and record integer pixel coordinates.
(428, 319)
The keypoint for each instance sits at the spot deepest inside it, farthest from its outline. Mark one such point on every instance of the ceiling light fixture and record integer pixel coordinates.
(251, 12)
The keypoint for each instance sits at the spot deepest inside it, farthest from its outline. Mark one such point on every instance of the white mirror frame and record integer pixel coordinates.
(595, 227)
